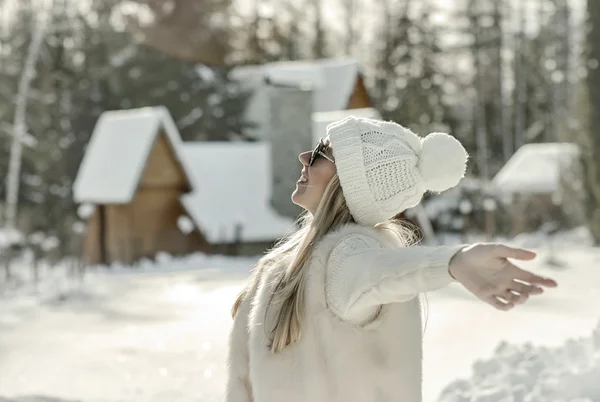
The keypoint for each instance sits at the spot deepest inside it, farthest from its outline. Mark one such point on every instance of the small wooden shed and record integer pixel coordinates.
(131, 179)
(532, 183)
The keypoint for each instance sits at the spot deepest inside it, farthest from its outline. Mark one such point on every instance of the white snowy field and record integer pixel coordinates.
(160, 333)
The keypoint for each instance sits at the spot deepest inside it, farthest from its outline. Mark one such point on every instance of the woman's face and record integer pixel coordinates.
(314, 178)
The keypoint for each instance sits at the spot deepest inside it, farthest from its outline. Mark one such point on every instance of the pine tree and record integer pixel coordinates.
(88, 67)
(408, 85)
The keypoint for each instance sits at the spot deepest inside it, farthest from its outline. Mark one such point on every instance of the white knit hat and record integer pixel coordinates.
(385, 168)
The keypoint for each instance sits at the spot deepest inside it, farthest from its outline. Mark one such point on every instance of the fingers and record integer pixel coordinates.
(499, 304)
(531, 278)
(524, 288)
(517, 293)
(510, 296)
(500, 250)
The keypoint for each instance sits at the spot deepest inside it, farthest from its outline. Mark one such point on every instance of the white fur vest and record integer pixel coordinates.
(335, 360)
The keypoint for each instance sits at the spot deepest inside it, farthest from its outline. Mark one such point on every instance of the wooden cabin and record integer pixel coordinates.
(133, 175)
(143, 191)
(532, 182)
(336, 84)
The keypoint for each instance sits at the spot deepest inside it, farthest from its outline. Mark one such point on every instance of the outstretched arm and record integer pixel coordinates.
(362, 275)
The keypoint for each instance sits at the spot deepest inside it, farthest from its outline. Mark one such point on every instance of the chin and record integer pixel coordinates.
(296, 198)
(299, 197)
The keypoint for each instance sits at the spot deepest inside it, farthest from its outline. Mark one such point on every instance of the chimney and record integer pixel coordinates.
(290, 132)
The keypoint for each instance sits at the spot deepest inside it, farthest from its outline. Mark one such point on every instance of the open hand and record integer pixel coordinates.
(485, 271)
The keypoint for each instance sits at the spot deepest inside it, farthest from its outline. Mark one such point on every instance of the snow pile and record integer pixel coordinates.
(165, 262)
(53, 279)
(578, 237)
(569, 373)
(68, 280)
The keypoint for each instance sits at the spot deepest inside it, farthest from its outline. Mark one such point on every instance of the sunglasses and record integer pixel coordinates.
(317, 152)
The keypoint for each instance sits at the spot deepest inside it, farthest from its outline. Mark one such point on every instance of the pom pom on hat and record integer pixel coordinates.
(442, 162)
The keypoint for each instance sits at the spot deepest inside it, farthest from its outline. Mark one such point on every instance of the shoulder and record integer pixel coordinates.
(351, 238)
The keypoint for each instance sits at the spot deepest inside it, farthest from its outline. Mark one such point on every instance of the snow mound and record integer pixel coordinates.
(577, 237)
(165, 262)
(569, 373)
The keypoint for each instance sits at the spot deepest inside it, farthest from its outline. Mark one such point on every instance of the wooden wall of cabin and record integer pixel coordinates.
(360, 97)
(91, 242)
(155, 209)
(162, 168)
(118, 232)
(155, 214)
(162, 183)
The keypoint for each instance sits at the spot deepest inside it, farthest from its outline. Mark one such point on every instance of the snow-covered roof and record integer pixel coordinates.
(321, 120)
(232, 182)
(332, 82)
(535, 168)
(116, 155)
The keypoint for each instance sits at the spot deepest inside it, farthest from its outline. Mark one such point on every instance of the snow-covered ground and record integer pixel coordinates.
(158, 332)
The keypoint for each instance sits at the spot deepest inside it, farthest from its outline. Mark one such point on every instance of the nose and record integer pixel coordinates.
(304, 158)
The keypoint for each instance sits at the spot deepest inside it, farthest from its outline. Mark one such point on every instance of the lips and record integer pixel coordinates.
(303, 179)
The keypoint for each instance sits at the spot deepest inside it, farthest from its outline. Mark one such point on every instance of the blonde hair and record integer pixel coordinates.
(295, 251)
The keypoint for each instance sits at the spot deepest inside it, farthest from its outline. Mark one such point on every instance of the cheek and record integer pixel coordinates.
(324, 175)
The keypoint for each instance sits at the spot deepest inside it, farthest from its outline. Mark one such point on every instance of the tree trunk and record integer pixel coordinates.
(481, 135)
(505, 137)
(349, 8)
(520, 82)
(20, 119)
(319, 44)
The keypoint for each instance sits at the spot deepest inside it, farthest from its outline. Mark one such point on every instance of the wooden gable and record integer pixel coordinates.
(162, 167)
(360, 97)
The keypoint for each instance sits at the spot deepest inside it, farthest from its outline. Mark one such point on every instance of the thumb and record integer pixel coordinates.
(503, 251)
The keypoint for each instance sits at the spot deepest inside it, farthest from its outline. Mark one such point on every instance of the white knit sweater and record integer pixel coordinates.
(361, 335)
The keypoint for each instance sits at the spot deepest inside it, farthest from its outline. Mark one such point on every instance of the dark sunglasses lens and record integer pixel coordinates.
(315, 153)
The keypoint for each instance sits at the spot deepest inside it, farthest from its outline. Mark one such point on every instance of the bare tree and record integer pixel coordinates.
(520, 100)
(480, 114)
(20, 121)
(319, 44)
(502, 112)
(349, 15)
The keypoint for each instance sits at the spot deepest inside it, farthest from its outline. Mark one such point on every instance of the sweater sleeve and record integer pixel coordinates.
(238, 384)
(362, 275)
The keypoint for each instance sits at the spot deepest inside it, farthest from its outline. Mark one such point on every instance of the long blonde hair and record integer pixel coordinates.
(295, 251)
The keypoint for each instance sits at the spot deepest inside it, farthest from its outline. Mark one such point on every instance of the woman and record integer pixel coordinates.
(331, 314)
